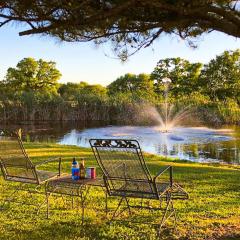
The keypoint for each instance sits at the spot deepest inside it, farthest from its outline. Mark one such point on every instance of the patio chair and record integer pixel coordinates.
(16, 166)
(126, 175)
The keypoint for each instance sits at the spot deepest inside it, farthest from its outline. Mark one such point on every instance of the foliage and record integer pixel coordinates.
(220, 78)
(30, 74)
(138, 85)
(229, 110)
(95, 90)
(212, 212)
(211, 92)
(127, 24)
(183, 74)
(71, 91)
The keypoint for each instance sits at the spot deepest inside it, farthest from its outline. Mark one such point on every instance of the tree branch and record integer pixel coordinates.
(5, 22)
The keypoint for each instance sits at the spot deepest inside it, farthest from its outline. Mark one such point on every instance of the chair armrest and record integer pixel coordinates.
(59, 160)
(170, 168)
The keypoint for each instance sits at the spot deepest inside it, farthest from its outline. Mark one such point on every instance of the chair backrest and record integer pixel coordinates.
(124, 168)
(14, 161)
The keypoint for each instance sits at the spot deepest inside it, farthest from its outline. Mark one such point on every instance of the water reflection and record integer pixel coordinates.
(192, 143)
(49, 131)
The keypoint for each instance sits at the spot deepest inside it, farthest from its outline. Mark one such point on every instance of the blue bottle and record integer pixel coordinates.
(75, 169)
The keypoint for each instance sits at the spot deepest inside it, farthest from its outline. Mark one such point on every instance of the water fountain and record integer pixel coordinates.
(168, 116)
(166, 82)
(168, 138)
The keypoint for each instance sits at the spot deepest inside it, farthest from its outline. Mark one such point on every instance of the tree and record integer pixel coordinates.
(95, 89)
(72, 91)
(30, 74)
(183, 74)
(140, 85)
(220, 78)
(129, 23)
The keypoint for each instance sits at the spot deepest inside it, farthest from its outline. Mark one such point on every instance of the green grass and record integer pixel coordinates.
(212, 212)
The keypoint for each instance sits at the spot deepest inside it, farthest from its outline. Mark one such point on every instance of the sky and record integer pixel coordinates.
(86, 62)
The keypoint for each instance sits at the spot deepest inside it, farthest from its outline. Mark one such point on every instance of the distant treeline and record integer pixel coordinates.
(31, 91)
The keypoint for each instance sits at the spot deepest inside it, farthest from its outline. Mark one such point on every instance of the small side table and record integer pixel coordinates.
(80, 188)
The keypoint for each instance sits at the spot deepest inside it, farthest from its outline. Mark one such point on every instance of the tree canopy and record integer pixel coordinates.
(71, 91)
(183, 74)
(31, 74)
(31, 92)
(140, 85)
(220, 78)
(128, 24)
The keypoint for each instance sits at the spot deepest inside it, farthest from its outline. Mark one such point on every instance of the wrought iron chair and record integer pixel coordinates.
(126, 175)
(16, 166)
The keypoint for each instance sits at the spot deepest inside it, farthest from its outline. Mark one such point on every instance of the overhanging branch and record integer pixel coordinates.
(144, 20)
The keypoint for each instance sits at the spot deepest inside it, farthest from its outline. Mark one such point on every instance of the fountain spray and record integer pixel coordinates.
(166, 82)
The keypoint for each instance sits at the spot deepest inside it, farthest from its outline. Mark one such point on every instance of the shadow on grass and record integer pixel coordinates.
(229, 237)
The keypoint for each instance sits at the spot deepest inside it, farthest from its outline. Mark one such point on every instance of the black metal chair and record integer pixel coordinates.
(126, 175)
(16, 166)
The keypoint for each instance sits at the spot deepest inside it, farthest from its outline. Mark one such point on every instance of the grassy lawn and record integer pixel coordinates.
(212, 212)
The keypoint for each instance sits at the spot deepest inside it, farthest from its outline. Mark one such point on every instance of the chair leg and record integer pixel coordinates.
(11, 197)
(82, 207)
(182, 193)
(115, 214)
(47, 201)
(106, 202)
(118, 206)
(29, 195)
(72, 201)
(169, 211)
(128, 206)
(83, 199)
(41, 205)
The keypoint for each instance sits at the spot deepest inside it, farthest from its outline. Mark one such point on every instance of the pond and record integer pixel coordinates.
(200, 144)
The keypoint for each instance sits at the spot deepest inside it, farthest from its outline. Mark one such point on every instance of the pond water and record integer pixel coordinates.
(199, 144)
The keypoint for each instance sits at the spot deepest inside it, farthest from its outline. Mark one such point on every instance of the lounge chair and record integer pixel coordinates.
(17, 167)
(126, 176)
